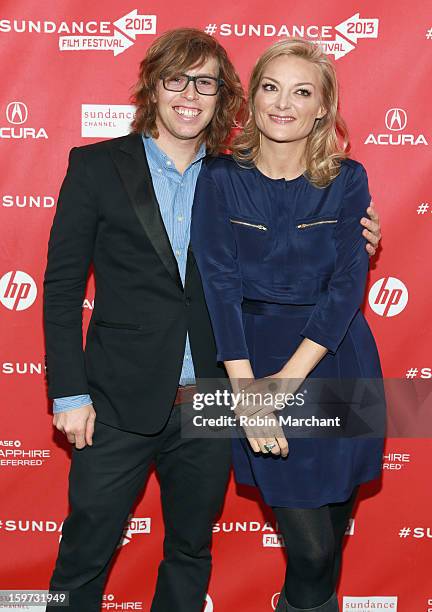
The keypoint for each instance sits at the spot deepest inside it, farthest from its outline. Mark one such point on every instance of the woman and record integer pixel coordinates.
(277, 239)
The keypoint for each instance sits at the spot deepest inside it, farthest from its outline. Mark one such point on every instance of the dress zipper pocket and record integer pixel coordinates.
(304, 225)
(256, 225)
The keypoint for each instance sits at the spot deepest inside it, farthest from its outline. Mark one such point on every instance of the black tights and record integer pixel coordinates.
(313, 540)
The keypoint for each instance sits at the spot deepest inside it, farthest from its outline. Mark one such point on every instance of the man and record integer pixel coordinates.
(125, 206)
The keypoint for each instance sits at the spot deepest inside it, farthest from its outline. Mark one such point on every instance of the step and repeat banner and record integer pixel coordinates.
(67, 69)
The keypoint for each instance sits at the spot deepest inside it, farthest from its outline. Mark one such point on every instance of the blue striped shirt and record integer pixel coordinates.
(174, 193)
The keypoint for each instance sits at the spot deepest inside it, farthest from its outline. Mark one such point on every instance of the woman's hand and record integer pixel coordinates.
(256, 411)
(263, 396)
(265, 434)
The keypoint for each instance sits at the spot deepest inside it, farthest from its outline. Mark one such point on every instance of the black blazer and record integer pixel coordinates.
(107, 214)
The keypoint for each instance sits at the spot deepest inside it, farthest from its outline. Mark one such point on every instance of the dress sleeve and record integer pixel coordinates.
(336, 308)
(215, 250)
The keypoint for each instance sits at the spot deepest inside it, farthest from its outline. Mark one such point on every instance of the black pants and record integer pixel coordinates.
(313, 540)
(105, 480)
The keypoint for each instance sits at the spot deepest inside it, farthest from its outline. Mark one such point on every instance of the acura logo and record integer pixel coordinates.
(16, 113)
(396, 119)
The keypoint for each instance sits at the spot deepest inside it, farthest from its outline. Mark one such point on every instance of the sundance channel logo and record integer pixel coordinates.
(370, 604)
(92, 35)
(106, 120)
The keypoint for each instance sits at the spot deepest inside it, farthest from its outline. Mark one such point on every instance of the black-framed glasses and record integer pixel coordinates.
(204, 85)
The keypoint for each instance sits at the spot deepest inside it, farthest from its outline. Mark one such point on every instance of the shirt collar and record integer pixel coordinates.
(156, 157)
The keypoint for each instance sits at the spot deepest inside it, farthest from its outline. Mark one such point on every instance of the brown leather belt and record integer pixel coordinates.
(185, 394)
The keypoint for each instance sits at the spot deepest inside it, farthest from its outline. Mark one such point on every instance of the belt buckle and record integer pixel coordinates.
(184, 394)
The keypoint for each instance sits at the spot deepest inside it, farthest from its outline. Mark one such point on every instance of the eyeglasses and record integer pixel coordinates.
(204, 85)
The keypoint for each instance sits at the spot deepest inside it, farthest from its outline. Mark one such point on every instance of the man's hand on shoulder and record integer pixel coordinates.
(372, 231)
(77, 424)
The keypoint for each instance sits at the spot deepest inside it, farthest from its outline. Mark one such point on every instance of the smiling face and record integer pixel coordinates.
(288, 99)
(185, 115)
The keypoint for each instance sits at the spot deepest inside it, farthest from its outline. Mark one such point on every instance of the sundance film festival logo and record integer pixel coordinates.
(27, 201)
(275, 540)
(243, 527)
(388, 296)
(114, 36)
(134, 526)
(417, 533)
(16, 115)
(370, 604)
(23, 368)
(18, 290)
(418, 372)
(350, 527)
(396, 120)
(336, 40)
(30, 526)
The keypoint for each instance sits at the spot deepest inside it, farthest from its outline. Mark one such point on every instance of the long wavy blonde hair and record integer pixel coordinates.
(328, 143)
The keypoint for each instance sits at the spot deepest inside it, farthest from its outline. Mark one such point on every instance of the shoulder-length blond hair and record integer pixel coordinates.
(172, 53)
(328, 143)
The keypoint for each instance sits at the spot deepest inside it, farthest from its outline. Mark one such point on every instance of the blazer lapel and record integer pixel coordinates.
(131, 163)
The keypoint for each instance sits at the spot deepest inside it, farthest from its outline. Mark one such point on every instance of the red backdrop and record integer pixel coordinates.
(66, 75)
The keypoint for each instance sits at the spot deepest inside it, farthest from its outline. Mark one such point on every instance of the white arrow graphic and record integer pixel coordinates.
(133, 24)
(337, 47)
(355, 28)
(117, 43)
(124, 43)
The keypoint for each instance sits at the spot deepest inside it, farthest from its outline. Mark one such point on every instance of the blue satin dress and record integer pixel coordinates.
(280, 261)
